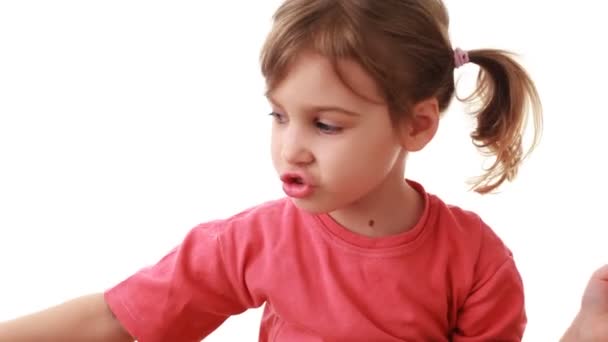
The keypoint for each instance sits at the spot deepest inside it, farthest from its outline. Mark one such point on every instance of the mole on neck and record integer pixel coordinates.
(371, 223)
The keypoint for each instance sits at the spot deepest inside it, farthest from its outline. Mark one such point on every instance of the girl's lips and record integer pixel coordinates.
(296, 185)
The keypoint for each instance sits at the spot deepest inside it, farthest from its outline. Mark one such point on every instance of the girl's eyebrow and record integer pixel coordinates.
(318, 109)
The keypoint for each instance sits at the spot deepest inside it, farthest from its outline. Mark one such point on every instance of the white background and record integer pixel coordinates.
(125, 123)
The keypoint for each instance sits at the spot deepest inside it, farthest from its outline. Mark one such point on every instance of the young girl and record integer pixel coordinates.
(355, 251)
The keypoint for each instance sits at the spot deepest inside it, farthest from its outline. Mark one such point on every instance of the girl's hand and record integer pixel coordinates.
(591, 323)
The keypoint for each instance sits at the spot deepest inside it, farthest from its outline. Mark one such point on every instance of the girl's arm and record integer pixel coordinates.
(87, 318)
(494, 308)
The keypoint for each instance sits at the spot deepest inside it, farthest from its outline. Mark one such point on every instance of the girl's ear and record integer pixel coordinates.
(419, 128)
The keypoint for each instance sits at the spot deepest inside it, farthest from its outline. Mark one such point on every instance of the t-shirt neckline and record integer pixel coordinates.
(400, 240)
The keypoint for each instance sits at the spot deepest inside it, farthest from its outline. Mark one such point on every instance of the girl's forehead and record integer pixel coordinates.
(317, 76)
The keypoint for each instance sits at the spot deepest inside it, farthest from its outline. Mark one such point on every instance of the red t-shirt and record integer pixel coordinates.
(450, 278)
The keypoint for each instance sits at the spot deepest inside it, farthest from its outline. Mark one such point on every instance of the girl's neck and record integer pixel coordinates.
(393, 207)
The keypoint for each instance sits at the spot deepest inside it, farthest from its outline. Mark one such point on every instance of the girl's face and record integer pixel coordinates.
(332, 147)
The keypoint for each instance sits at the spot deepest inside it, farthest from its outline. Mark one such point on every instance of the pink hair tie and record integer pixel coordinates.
(461, 57)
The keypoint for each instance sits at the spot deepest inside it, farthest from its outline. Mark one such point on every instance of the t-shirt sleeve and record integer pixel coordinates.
(494, 309)
(188, 294)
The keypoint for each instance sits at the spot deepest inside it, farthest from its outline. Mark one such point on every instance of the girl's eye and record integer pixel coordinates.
(280, 118)
(329, 129)
(323, 127)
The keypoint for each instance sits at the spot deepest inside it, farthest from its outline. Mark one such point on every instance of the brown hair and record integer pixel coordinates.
(404, 45)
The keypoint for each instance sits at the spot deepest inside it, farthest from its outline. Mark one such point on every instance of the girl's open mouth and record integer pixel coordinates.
(296, 186)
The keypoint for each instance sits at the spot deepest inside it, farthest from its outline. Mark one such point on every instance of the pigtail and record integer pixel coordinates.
(506, 97)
